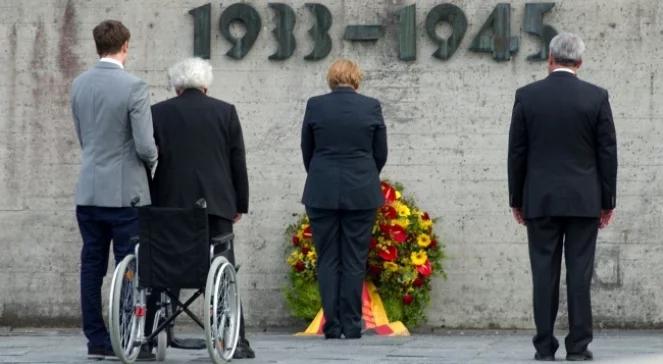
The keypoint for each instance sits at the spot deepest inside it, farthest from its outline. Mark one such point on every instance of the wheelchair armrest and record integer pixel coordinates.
(222, 242)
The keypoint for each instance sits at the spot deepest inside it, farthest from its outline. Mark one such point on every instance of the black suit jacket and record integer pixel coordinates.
(201, 155)
(344, 146)
(562, 149)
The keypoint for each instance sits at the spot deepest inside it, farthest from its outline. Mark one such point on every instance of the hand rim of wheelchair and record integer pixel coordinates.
(126, 336)
(221, 297)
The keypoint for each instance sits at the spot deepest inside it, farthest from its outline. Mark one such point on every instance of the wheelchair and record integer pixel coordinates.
(173, 251)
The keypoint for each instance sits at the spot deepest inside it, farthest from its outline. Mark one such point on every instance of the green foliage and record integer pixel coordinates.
(303, 297)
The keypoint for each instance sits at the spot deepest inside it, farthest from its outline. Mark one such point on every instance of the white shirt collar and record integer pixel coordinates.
(111, 60)
(564, 69)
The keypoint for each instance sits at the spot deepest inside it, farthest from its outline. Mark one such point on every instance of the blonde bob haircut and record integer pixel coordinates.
(344, 72)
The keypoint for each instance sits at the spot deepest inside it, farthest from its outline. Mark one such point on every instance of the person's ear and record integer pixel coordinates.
(125, 47)
(579, 64)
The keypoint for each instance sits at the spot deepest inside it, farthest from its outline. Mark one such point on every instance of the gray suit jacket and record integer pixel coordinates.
(113, 122)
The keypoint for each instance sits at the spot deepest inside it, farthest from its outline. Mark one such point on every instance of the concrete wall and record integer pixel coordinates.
(447, 121)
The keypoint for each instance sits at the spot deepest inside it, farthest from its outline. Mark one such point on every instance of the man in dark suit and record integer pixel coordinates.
(562, 165)
(344, 147)
(202, 156)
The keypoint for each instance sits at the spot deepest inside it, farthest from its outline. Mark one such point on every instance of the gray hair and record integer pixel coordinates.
(567, 47)
(191, 73)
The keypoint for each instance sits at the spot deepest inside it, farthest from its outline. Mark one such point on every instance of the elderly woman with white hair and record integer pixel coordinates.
(201, 155)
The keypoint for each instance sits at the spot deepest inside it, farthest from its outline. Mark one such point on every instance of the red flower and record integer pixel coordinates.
(398, 233)
(300, 266)
(295, 240)
(384, 229)
(425, 269)
(389, 212)
(408, 298)
(425, 216)
(307, 232)
(374, 270)
(389, 254)
(388, 192)
(373, 243)
(305, 250)
(433, 244)
(418, 282)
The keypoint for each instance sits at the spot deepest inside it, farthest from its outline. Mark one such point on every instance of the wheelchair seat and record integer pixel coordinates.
(174, 247)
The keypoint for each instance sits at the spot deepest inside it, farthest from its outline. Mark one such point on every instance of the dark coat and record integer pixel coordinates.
(562, 157)
(344, 146)
(201, 155)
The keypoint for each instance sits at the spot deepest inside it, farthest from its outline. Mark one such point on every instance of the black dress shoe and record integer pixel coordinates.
(244, 350)
(334, 333)
(99, 353)
(585, 355)
(544, 357)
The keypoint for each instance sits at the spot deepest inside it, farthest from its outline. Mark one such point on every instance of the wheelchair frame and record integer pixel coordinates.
(220, 337)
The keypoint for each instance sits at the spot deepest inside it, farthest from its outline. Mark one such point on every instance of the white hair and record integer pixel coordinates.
(567, 47)
(191, 73)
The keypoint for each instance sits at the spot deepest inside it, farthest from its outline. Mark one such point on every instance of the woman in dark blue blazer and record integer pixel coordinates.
(344, 146)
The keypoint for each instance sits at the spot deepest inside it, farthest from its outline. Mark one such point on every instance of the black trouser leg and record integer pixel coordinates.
(356, 228)
(326, 234)
(579, 251)
(545, 237)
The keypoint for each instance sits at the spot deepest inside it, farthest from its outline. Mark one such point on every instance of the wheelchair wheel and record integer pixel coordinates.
(222, 311)
(126, 312)
(162, 343)
(162, 337)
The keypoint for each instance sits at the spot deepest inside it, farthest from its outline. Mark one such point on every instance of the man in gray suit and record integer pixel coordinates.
(111, 110)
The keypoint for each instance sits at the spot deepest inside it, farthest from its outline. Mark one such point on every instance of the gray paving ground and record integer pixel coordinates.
(477, 347)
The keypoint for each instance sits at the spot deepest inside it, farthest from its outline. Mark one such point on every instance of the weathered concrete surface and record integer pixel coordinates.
(453, 347)
(448, 124)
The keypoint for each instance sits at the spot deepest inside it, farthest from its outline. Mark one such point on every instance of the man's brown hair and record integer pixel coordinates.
(110, 36)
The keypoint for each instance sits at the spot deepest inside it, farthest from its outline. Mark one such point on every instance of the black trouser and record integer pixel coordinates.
(341, 239)
(216, 226)
(577, 236)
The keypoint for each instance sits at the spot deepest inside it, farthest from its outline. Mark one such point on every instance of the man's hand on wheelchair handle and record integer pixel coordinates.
(237, 217)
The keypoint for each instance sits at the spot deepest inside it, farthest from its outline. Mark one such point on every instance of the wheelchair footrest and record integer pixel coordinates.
(187, 343)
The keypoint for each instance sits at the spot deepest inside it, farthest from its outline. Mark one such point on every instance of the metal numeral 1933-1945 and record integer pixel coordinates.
(494, 36)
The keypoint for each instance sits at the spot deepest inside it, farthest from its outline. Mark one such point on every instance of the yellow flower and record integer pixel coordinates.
(390, 266)
(402, 222)
(423, 240)
(424, 220)
(311, 255)
(419, 258)
(403, 210)
(294, 257)
(398, 195)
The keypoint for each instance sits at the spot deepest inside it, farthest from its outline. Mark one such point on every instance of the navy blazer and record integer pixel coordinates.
(344, 146)
(562, 149)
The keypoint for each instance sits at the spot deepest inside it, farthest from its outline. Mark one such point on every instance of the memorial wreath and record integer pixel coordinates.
(404, 254)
